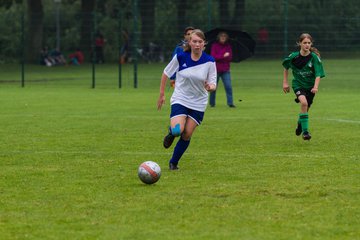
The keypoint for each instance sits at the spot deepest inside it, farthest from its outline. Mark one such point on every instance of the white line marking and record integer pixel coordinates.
(165, 153)
(343, 120)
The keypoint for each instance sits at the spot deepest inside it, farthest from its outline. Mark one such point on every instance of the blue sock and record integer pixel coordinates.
(179, 150)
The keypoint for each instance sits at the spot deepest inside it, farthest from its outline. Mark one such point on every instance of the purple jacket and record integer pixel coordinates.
(217, 51)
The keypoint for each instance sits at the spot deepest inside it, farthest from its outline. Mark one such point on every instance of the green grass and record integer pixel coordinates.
(69, 156)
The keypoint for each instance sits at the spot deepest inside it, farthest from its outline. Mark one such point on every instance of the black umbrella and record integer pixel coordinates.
(243, 45)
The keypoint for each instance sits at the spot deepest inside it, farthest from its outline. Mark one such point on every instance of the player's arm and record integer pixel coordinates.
(161, 100)
(286, 87)
(210, 83)
(319, 73)
(169, 70)
(315, 88)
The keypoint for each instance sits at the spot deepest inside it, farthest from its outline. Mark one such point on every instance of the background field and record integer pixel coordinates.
(69, 156)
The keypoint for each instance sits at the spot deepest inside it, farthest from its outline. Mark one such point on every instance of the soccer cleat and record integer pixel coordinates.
(306, 136)
(232, 105)
(298, 130)
(173, 166)
(168, 140)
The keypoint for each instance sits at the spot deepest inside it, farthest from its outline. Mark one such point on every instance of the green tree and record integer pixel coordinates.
(147, 11)
(232, 18)
(35, 29)
(238, 15)
(181, 7)
(8, 3)
(87, 25)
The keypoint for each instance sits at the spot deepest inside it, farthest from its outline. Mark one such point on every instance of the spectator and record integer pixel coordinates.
(58, 57)
(45, 58)
(99, 48)
(222, 52)
(77, 57)
(262, 41)
(124, 52)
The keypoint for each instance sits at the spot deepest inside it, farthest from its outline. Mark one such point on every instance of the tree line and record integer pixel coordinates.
(163, 21)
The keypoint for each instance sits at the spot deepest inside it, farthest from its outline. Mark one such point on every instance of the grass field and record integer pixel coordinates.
(69, 156)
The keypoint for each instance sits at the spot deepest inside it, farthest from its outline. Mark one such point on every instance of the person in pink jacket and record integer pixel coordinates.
(222, 52)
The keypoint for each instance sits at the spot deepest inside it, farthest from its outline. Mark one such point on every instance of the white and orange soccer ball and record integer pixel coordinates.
(149, 172)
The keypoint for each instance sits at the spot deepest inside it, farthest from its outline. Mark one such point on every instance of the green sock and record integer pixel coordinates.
(304, 120)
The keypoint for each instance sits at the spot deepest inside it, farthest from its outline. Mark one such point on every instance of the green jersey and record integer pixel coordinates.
(304, 78)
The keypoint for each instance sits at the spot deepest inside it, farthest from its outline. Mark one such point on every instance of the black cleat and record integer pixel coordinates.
(306, 136)
(298, 130)
(168, 140)
(173, 166)
(232, 106)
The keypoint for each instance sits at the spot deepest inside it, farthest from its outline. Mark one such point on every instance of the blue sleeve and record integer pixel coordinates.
(177, 50)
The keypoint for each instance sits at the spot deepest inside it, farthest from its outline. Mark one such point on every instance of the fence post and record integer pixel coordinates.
(57, 20)
(135, 41)
(285, 3)
(120, 43)
(93, 49)
(209, 14)
(22, 42)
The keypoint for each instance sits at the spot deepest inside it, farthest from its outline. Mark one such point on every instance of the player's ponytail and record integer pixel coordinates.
(315, 50)
(187, 47)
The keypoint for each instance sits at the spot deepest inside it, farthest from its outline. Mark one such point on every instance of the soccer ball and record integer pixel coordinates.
(149, 172)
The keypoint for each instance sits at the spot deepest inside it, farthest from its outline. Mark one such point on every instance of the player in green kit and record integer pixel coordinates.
(307, 71)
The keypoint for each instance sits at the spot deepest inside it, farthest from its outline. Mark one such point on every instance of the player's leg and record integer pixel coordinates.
(193, 120)
(228, 89)
(213, 94)
(177, 124)
(304, 117)
(183, 143)
(298, 129)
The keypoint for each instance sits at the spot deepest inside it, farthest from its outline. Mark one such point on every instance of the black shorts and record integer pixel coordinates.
(307, 93)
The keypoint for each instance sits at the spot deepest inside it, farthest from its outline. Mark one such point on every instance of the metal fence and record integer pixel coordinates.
(147, 31)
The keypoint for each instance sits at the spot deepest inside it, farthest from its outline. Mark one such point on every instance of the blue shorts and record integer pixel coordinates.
(180, 110)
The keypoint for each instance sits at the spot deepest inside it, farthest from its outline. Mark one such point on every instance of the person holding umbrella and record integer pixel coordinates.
(307, 70)
(221, 50)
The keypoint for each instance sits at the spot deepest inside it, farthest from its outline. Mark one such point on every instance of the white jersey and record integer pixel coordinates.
(190, 79)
